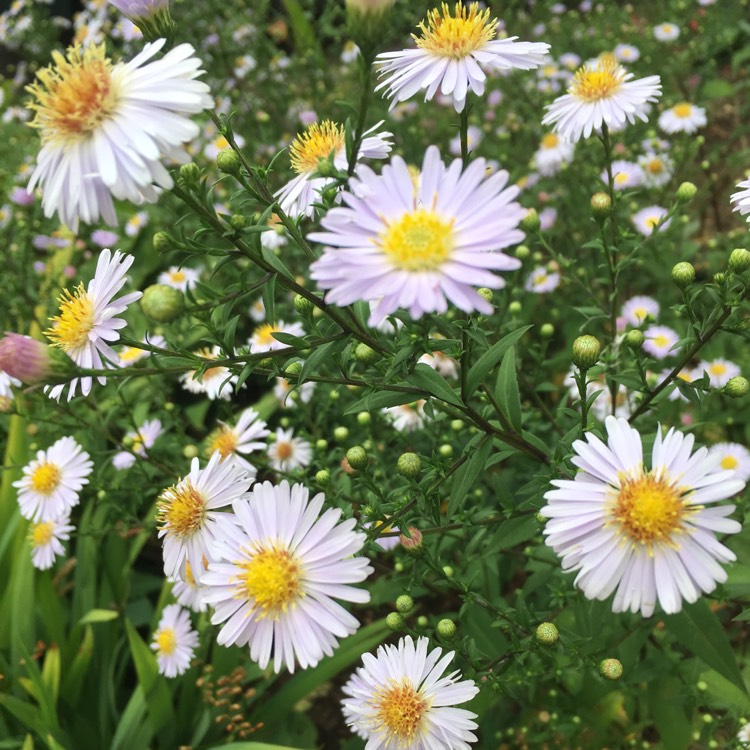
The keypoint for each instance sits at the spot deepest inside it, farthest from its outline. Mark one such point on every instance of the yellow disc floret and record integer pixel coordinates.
(729, 462)
(318, 142)
(272, 578)
(263, 335)
(600, 81)
(166, 641)
(418, 241)
(550, 141)
(75, 321)
(41, 533)
(683, 109)
(400, 709)
(182, 509)
(45, 478)
(457, 35)
(223, 440)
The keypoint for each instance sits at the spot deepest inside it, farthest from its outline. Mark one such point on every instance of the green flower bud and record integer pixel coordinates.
(323, 477)
(357, 457)
(265, 363)
(601, 206)
(446, 450)
(720, 278)
(293, 368)
(737, 387)
(530, 222)
(190, 174)
(686, 192)
(739, 260)
(611, 669)
(364, 418)
(163, 304)
(547, 331)
(522, 252)
(162, 242)
(448, 571)
(409, 465)
(446, 628)
(422, 621)
(702, 686)
(229, 161)
(190, 451)
(365, 354)
(302, 305)
(238, 221)
(634, 339)
(340, 434)
(321, 444)
(404, 604)
(457, 425)
(395, 621)
(547, 633)
(515, 307)
(683, 274)
(485, 294)
(586, 351)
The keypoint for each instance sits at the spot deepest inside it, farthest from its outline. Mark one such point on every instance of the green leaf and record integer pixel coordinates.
(506, 390)
(99, 615)
(490, 358)
(698, 629)
(467, 473)
(717, 88)
(431, 381)
(667, 696)
(134, 731)
(381, 399)
(725, 692)
(514, 531)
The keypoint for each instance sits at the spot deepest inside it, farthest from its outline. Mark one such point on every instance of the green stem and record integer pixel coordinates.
(464, 134)
(364, 105)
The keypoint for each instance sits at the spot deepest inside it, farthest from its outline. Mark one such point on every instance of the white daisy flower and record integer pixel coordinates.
(46, 539)
(407, 417)
(741, 199)
(553, 154)
(288, 394)
(541, 280)
(287, 452)
(601, 94)
(349, 53)
(262, 339)
(190, 517)
(720, 371)
(140, 442)
(180, 278)
(660, 341)
(682, 118)
(174, 641)
(657, 169)
(88, 324)
(419, 248)
(733, 456)
(625, 175)
(188, 592)
(51, 482)
(638, 309)
(650, 219)
(129, 355)
(258, 310)
(274, 587)
(215, 382)
(320, 141)
(135, 223)
(219, 143)
(649, 534)
(401, 698)
(445, 365)
(451, 52)
(106, 126)
(626, 53)
(743, 736)
(686, 374)
(666, 32)
(245, 438)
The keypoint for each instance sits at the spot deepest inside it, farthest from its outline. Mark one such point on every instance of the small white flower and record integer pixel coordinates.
(734, 457)
(625, 175)
(141, 441)
(638, 309)
(743, 736)
(541, 280)
(237, 442)
(287, 452)
(258, 310)
(263, 340)
(179, 278)
(660, 341)
(174, 641)
(407, 417)
(46, 539)
(215, 382)
(720, 371)
(682, 118)
(650, 219)
(666, 32)
(626, 53)
(553, 154)
(741, 200)
(656, 168)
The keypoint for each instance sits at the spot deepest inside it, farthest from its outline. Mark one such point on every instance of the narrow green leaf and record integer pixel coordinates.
(431, 381)
(29, 715)
(506, 390)
(468, 472)
(491, 357)
(74, 675)
(726, 692)
(51, 671)
(381, 399)
(134, 731)
(99, 615)
(667, 696)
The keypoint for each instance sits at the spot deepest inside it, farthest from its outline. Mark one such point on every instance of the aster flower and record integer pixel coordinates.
(7, 384)
(660, 341)
(51, 482)
(287, 452)
(288, 395)
(106, 126)
(452, 51)
(141, 441)
(407, 417)
(262, 339)
(402, 698)
(190, 517)
(741, 198)
(650, 219)
(553, 154)
(274, 587)
(626, 53)
(682, 118)
(174, 641)
(321, 141)
(638, 309)
(720, 371)
(541, 280)
(687, 375)
(734, 457)
(419, 248)
(666, 32)
(601, 94)
(243, 439)
(24, 359)
(656, 168)
(88, 324)
(649, 534)
(179, 278)
(625, 174)
(135, 223)
(188, 592)
(215, 382)
(129, 355)
(46, 538)
(437, 360)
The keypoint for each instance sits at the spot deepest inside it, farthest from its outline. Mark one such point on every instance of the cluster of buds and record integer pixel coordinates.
(228, 695)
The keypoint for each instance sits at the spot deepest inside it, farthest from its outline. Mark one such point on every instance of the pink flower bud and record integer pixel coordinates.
(24, 358)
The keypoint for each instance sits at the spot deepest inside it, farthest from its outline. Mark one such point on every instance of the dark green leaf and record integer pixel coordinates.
(490, 358)
(506, 390)
(431, 381)
(468, 472)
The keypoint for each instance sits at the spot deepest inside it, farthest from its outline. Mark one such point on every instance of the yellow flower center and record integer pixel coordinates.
(539, 280)
(457, 35)
(683, 110)
(655, 166)
(75, 95)
(649, 509)
(223, 440)
(75, 321)
(718, 368)
(177, 276)
(401, 710)
(272, 578)
(661, 340)
(620, 178)
(284, 450)
(418, 241)
(264, 335)
(182, 509)
(221, 143)
(592, 83)
(45, 478)
(318, 142)
(652, 221)
(131, 354)
(166, 641)
(41, 534)
(729, 462)
(550, 141)
(137, 444)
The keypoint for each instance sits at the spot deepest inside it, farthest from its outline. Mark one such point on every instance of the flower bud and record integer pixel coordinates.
(409, 465)
(586, 351)
(395, 621)
(364, 418)
(446, 628)
(190, 174)
(162, 303)
(683, 274)
(720, 278)
(413, 541)
(422, 621)
(601, 206)
(686, 192)
(357, 457)
(302, 305)
(522, 252)
(610, 669)
(404, 604)
(228, 161)
(25, 359)
(547, 331)
(739, 260)
(321, 444)
(737, 387)
(446, 450)
(238, 221)
(634, 339)
(547, 633)
(515, 307)
(163, 243)
(485, 293)
(323, 477)
(365, 354)
(368, 7)
(190, 450)
(530, 222)
(340, 434)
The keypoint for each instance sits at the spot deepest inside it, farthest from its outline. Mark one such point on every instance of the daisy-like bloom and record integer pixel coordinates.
(88, 324)
(104, 238)
(720, 371)
(419, 248)
(647, 533)
(174, 641)
(106, 126)
(638, 309)
(445, 365)
(666, 32)
(219, 143)
(188, 592)
(289, 395)
(262, 339)
(686, 375)
(626, 53)
(733, 456)
(401, 699)
(601, 94)
(682, 118)
(407, 417)
(743, 736)
(277, 236)
(258, 310)
(190, 517)
(179, 278)
(321, 141)
(129, 355)
(287, 452)
(274, 586)
(236, 442)
(553, 153)
(215, 382)
(659, 341)
(46, 538)
(135, 223)
(451, 52)
(541, 280)
(140, 441)
(51, 482)
(741, 199)
(657, 169)
(650, 219)
(7, 384)
(625, 174)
